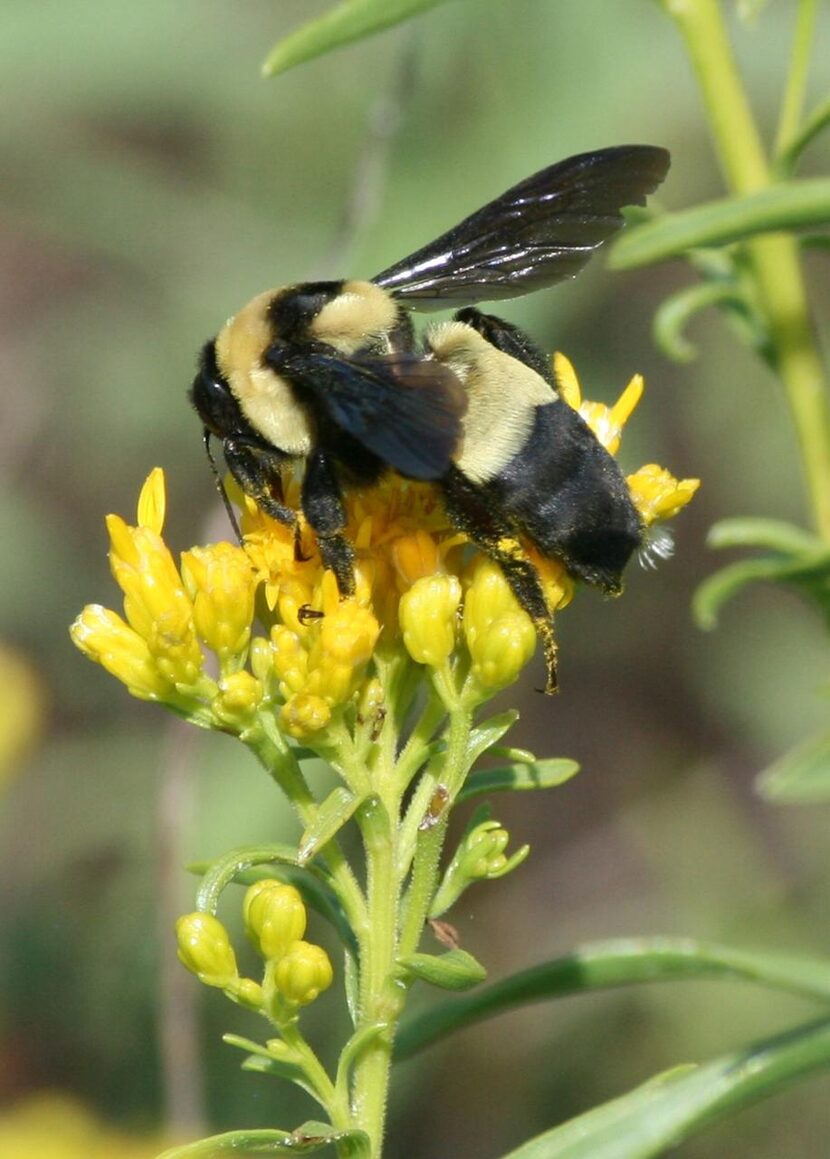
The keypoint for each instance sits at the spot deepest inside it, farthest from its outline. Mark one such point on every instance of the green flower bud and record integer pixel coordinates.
(303, 973)
(204, 948)
(275, 917)
(481, 855)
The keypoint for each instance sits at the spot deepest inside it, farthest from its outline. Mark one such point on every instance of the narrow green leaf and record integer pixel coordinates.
(808, 573)
(668, 1109)
(773, 534)
(818, 120)
(348, 21)
(619, 962)
(802, 775)
(307, 1139)
(674, 314)
(229, 868)
(545, 774)
(254, 863)
(332, 815)
(722, 585)
(455, 970)
(488, 732)
(789, 205)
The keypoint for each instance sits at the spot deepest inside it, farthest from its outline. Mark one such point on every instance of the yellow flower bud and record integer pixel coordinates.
(104, 637)
(303, 973)
(221, 584)
(500, 636)
(237, 700)
(500, 653)
(248, 993)
(155, 602)
(275, 917)
(204, 948)
(428, 617)
(304, 715)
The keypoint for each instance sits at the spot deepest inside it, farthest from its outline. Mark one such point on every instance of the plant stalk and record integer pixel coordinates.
(774, 258)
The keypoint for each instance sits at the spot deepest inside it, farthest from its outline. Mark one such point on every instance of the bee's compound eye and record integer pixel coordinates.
(214, 402)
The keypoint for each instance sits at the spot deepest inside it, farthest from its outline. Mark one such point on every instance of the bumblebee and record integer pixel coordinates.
(333, 374)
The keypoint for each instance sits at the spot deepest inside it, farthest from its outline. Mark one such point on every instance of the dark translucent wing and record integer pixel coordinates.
(407, 410)
(537, 233)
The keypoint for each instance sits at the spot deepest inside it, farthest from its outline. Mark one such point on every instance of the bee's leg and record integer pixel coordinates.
(323, 508)
(256, 468)
(470, 513)
(509, 339)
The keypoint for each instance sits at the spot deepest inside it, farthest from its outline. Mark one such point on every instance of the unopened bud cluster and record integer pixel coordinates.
(480, 856)
(296, 971)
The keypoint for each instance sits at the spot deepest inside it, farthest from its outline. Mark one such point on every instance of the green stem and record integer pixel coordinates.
(279, 762)
(381, 995)
(429, 842)
(793, 102)
(774, 258)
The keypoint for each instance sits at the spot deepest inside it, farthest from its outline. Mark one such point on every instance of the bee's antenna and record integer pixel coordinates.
(221, 486)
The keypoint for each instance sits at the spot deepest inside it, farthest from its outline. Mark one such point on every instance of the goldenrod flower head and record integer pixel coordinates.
(499, 634)
(303, 973)
(221, 582)
(275, 917)
(310, 664)
(428, 614)
(205, 949)
(657, 494)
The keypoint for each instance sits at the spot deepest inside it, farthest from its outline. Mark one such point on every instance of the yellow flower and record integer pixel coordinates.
(606, 422)
(657, 494)
(315, 655)
(103, 636)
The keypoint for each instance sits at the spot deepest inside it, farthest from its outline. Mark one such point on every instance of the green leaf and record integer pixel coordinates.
(773, 534)
(488, 733)
(249, 864)
(789, 205)
(262, 1061)
(802, 561)
(229, 868)
(802, 775)
(332, 815)
(671, 1107)
(348, 21)
(818, 120)
(305, 1140)
(674, 314)
(455, 970)
(618, 962)
(545, 774)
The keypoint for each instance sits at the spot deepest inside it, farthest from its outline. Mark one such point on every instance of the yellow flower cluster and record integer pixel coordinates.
(417, 589)
(296, 971)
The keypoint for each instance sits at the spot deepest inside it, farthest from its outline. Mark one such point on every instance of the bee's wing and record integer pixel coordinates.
(537, 233)
(406, 409)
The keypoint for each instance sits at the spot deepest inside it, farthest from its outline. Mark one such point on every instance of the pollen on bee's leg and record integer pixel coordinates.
(544, 628)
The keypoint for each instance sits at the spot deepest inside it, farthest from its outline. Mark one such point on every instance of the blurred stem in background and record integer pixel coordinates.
(774, 258)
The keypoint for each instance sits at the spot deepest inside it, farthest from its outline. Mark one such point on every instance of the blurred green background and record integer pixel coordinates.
(152, 183)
